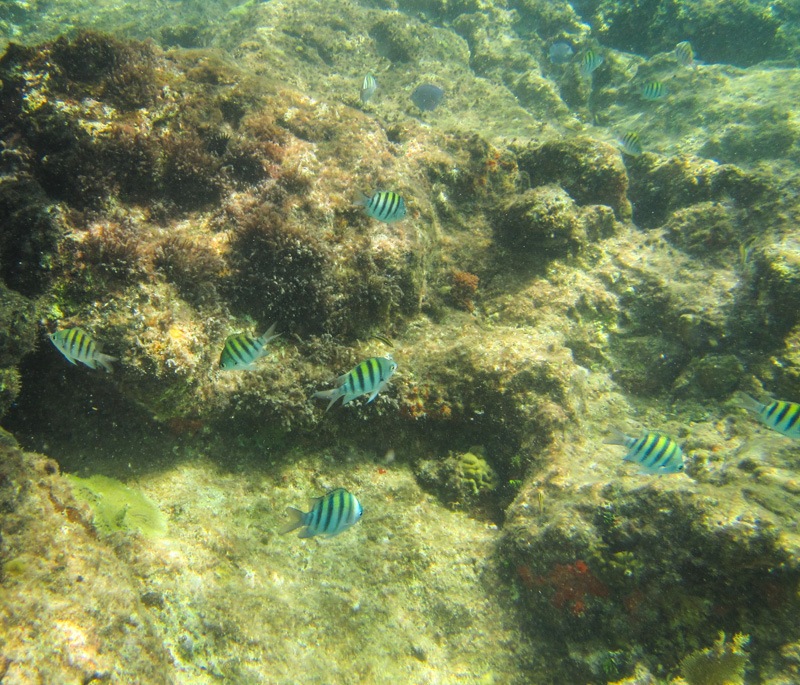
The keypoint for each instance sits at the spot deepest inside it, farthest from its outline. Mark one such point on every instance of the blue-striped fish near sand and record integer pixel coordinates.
(653, 90)
(241, 351)
(630, 144)
(684, 54)
(589, 62)
(653, 452)
(78, 346)
(369, 377)
(383, 205)
(329, 515)
(368, 87)
(780, 416)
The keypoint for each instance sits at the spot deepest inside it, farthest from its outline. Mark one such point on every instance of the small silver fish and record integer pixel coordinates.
(78, 346)
(368, 87)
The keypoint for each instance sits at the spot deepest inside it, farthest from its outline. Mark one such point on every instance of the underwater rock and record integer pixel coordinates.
(659, 186)
(591, 172)
(545, 221)
(705, 230)
(712, 376)
(66, 587)
(619, 533)
(740, 32)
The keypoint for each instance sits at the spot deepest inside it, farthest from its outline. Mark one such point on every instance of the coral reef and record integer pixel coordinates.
(474, 473)
(543, 286)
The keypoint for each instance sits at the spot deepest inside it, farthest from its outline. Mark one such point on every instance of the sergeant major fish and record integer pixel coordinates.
(368, 88)
(590, 62)
(78, 346)
(241, 351)
(655, 453)
(329, 515)
(630, 144)
(781, 416)
(653, 90)
(684, 54)
(383, 205)
(370, 376)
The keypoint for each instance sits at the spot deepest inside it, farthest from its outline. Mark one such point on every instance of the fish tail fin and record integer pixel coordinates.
(295, 521)
(744, 401)
(361, 200)
(333, 394)
(617, 437)
(269, 335)
(105, 360)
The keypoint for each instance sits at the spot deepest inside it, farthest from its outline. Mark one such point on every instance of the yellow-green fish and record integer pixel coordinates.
(684, 53)
(241, 351)
(781, 416)
(329, 515)
(654, 452)
(370, 376)
(78, 346)
(653, 90)
(589, 62)
(630, 143)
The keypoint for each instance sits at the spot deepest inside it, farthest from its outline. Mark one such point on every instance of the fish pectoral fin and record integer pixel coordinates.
(375, 393)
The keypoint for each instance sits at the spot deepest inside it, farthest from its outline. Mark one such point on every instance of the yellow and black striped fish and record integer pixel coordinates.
(589, 62)
(684, 53)
(781, 416)
(655, 453)
(241, 351)
(77, 346)
(653, 90)
(630, 143)
(368, 87)
(329, 515)
(383, 205)
(370, 376)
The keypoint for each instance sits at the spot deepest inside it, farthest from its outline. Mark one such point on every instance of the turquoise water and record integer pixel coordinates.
(594, 239)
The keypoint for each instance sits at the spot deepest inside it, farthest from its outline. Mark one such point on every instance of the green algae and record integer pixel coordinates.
(119, 508)
(724, 663)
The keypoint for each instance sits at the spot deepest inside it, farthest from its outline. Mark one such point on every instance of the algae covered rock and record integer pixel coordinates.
(591, 172)
(546, 221)
(461, 479)
(76, 608)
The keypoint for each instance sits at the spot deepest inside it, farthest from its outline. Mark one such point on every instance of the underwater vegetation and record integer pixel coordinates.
(537, 284)
(723, 663)
(118, 508)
